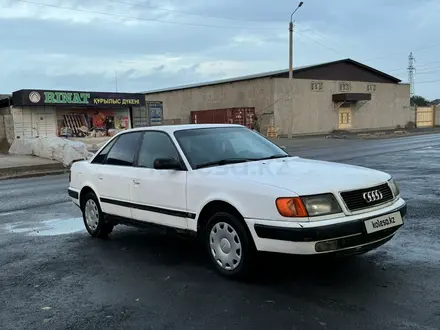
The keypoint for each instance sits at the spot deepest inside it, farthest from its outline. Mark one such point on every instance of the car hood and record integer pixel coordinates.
(305, 176)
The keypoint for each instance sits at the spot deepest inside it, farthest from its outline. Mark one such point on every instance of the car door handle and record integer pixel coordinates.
(135, 181)
(100, 178)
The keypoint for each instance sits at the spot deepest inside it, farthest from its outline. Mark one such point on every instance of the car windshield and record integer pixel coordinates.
(225, 145)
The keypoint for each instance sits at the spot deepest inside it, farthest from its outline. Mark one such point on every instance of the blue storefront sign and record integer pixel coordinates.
(155, 110)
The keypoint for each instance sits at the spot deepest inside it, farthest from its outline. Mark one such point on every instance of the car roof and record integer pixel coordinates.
(174, 128)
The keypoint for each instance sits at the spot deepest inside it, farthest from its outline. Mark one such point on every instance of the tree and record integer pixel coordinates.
(419, 101)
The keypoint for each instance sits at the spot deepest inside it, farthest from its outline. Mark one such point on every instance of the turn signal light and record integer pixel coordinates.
(291, 207)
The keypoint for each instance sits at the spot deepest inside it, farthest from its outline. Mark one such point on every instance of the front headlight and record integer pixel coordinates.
(321, 205)
(394, 187)
(312, 206)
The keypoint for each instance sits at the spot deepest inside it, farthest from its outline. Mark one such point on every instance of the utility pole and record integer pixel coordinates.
(411, 70)
(116, 81)
(290, 50)
(291, 67)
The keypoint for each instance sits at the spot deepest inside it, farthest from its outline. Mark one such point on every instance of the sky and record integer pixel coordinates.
(141, 45)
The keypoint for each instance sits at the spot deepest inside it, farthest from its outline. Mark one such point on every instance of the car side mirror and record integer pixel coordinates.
(167, 164)
(284, 149)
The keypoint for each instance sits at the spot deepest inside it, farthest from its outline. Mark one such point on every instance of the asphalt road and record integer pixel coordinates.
(54, 276)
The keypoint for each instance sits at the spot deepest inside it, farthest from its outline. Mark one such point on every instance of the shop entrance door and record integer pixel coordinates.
(22, 123)
(345, 118)
(43, 122)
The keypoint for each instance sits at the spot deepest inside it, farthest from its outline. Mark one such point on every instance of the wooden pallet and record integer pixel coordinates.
(75, 122)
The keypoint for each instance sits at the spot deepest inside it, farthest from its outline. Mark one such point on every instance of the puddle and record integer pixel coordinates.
(52, 227)
(426, 150)
(11, 213)
(402, 250)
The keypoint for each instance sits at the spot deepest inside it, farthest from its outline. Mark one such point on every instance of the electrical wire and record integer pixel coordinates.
(427, 73)
(186, 12)
(423, 68)
(318, 43)
(219, 26)
(400, 53)
(140, 18)
(427, 82)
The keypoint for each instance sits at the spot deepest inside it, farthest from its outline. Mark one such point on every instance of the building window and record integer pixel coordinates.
(371, 88)
(317, 86)
(344, 87)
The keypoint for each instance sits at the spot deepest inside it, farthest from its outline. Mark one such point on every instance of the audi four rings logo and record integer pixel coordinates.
(372, 196)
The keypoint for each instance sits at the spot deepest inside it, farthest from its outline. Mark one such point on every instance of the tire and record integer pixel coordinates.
(222, 234)
(94, 219)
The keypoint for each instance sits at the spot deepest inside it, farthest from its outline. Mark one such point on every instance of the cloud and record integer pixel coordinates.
(154, 44)
(78, 12)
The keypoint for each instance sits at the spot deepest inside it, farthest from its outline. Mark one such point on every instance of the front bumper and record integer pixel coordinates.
(74, 195)
(337, 235)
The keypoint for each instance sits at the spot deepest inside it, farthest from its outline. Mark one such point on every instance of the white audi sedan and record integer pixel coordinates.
(237, 192)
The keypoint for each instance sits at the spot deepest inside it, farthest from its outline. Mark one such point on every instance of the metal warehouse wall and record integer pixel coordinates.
(313, 111)
(177, 105)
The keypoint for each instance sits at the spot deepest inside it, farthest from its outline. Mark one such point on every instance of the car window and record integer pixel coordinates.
(99, 159)
(156, 145)
(124, 150)
(208, 145)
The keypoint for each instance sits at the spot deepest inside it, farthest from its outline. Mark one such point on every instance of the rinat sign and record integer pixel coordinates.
(65, 98)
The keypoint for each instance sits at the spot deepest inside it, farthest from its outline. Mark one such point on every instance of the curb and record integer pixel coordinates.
(378, 134)
(31, 174)
(43, 167)
(32, 171)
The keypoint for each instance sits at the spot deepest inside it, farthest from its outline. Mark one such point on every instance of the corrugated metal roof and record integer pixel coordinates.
(266, 74)
(227, 80)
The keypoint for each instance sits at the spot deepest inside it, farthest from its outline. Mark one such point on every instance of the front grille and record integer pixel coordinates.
(354, 200)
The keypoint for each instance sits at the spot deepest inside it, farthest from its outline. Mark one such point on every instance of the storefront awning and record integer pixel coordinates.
(351, 97)
(32, 97)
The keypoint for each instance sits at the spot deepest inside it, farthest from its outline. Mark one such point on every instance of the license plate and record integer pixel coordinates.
(383, 222)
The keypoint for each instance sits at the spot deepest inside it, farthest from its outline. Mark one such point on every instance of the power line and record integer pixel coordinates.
(160, 21)
(137, 18)
(400, 53)
(318, 43)
(371, 59)
(428, 81)
(206, 25)
(185, 12)
(431, 72)
(428, 63)
(422, 68)
(323, 36)
(368, 60)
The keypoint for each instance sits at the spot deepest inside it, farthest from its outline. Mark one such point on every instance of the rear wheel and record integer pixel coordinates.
(230, 246)
(94, 219)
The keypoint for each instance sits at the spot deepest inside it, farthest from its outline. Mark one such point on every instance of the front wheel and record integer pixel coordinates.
(93, 217)
(230, 246)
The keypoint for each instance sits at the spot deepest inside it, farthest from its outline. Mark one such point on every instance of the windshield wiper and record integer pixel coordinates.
(225, 161)
(274, 157)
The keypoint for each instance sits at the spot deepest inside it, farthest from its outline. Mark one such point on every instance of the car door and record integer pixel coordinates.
(159, 196)
(115, 175)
